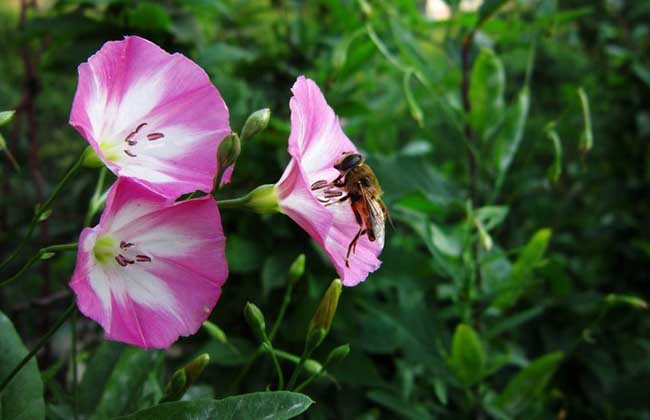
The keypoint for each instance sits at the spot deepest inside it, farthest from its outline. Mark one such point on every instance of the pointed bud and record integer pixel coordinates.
(228, 151)
(633, 301)
(483, 235)
(338, 354)
(91, 159)
(297, 269)
(321, 323)
(255, 123)
(216, 332)
(195, 368)
(255, 320)
(176, 386)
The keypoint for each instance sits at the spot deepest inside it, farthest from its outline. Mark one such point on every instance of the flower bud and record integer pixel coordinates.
(297, 269)
(216, 332)
(228, 151)
(321, 322)
(313, 367)
(6, 116)
(183, 378)
(255, 320)
(255, 123)
(338, 354)
(633, 301)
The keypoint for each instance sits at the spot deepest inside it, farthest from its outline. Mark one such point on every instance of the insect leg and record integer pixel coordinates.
(353, 243)
(340, 200)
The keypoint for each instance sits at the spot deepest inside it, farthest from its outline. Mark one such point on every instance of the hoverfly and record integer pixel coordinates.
(357, 182)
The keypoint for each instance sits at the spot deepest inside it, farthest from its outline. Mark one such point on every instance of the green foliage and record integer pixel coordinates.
(558, 131)
(278, 405)
(22, 399)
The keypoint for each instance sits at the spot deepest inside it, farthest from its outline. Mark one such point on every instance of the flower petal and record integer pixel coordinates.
(151, 115)
(316, 142)
(176, 266)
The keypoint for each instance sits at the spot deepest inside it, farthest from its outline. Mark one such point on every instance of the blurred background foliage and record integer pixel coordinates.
(512, 139)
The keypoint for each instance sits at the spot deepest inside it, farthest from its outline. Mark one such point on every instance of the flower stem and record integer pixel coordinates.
(43, 208)
(296, 372)
(95, 200)
(36, 257)
(314, 376)
(68, 312)
(274, 329)
(75, 385)
(278, 369)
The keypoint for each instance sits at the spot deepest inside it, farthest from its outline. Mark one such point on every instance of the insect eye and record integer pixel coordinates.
(350, 162)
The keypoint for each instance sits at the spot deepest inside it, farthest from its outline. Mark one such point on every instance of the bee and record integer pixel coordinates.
(358, 183)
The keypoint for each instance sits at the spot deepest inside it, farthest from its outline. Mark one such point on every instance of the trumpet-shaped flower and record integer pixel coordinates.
(152, 269)
(151, 115)
(316, 143)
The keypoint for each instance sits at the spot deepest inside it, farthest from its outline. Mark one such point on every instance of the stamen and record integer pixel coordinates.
(332, 193)
(127, 260)
(139, 127)
(155, 136)
(142, 258)
(321, 200)
(125, 245)
(319, 184)
(120, 260)
(132, 142)
(129, 153)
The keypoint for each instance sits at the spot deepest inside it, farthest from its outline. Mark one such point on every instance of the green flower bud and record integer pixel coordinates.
(228, 151)
(337, 354)
(194, 368)
(321, 322)
(255, 320)
(216, 332)
(633, 301)
(91, 159)
(6, 116)
(297, 269)
(183, 378)
(255, 123)
(313, 367)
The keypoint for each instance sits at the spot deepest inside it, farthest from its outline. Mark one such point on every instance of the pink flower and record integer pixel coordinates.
(151, 115)
(315, 145)
(152, 269)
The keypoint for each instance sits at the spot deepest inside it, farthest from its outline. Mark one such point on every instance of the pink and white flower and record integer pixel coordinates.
(151, 115)
(152, 269)
(316, 143)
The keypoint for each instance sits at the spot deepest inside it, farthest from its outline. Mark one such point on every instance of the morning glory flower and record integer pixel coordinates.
(152, 269)
(316, 143)
(151, 115)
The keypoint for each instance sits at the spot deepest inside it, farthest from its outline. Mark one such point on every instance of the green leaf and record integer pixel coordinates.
(151, 17)
(467, 355)
(393, 402)
(519, 279)
(528, 385)
(508, 138)
(488, 8)
(414, 108)
(491, 216)
(555, 171)
(123, 386)
(586, 137)
(22, 399)
(487, 85)
(6, 116)
(277, 405)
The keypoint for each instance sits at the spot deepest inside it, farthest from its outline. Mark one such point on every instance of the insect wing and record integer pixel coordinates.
(376, 216)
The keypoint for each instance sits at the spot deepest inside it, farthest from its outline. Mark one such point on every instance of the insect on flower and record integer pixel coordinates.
(358, 184)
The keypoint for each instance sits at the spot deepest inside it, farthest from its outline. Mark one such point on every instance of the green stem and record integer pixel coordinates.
(283, 309)
(296, 372)
(36, 257)
(68, 312)
(233, 203)
(278, 369)
(43, 208)
(75, 385)
(93, 206)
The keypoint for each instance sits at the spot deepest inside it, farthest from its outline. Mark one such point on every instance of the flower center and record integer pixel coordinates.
(103, 249)
(112, 150)
(127, 253)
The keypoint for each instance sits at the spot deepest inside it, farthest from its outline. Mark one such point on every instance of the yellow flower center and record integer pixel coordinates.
(104, 249)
